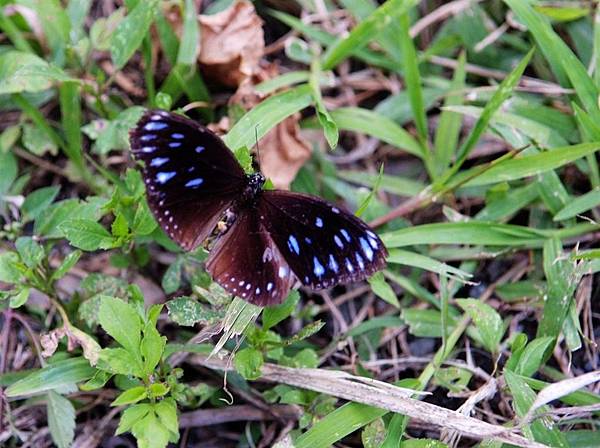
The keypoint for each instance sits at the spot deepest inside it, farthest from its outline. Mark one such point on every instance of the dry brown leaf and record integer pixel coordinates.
(283, 151)
(75, 337)
(232, 43)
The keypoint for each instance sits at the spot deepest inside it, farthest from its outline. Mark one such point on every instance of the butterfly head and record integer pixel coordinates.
(254, 186)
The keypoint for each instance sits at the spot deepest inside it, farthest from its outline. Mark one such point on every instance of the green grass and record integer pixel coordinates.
(484, 188)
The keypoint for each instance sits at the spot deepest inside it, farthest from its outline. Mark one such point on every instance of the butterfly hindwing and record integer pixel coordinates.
(191, 177)
(322, 244)
(247, 263)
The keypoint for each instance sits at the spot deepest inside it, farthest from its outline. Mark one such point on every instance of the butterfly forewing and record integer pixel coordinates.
(247, 263)
(191, 177)
(322, 244)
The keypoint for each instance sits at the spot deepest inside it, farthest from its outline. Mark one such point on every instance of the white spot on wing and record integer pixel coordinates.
(319, 222)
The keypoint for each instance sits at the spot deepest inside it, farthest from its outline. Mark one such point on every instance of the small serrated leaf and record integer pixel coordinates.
(61, 419)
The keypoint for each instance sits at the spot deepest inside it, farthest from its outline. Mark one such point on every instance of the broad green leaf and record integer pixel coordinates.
(37, 201)
(382, 289)
(131, 31)
(143, 221)
(130, 396)
(122, 322)
(248, 362)
(534, 354)
(61, 419)
(152, 347)
(20, 298)
(487, 320)
(25, 72)
(150, 432)
(9, 271)
(120, 361)
(86, 234)
(272, 315)
(53, 376)
(30, 251)
(131, 416)
(166, 410)
(187, 312)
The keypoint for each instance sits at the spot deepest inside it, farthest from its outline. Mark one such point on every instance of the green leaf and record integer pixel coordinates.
(272, 315)
(328, 125)
(119, 227)
(25, 72)
(417, 260)
(337, 425)
(266, 115)
(534, 354)
(382, 289)
(143, 221)
(66, 265)
(166, 411)
(543, 429)
(248, 363)
(190, 37)
(121, 321)
(563, 61)
(152, 347)
(150, 432)
(579, 205)
(37, 201)
(504, 91)
(53, 376)
(49, 219)
(86, 234)
(131, 31)
(469, 232)
(20, 298)
(61, 419)
(306, 332)
(9, 272)
(130, 396)
(120, 361)
(187, 312)
(412, 77)
(131, 416)
(487, 320)
(532, 165)
(366, 30)
(30, 251)
(376, 125)
(171, 280)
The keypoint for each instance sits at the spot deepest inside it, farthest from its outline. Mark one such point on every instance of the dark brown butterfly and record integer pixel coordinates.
(277, 237)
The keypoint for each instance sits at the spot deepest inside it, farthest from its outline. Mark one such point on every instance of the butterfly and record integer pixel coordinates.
(277, 237)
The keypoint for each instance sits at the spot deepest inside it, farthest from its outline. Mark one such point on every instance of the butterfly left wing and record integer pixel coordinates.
(247, 263)
(322, 244)
(191, 176)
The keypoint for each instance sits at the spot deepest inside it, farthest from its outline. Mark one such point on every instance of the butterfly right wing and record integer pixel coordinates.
(191, 177)
(247, 263)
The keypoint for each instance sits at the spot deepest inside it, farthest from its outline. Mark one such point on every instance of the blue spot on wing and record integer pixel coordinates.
(194, 182)
(155, 126)
(318, 269)
(293, 245)
(159, 161)
(164, 176)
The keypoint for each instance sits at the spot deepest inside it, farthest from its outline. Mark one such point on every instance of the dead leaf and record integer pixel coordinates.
(75, 337)
(283, 151)
(232, 43)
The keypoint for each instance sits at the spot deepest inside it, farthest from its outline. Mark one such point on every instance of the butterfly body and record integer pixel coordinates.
(276, 238)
